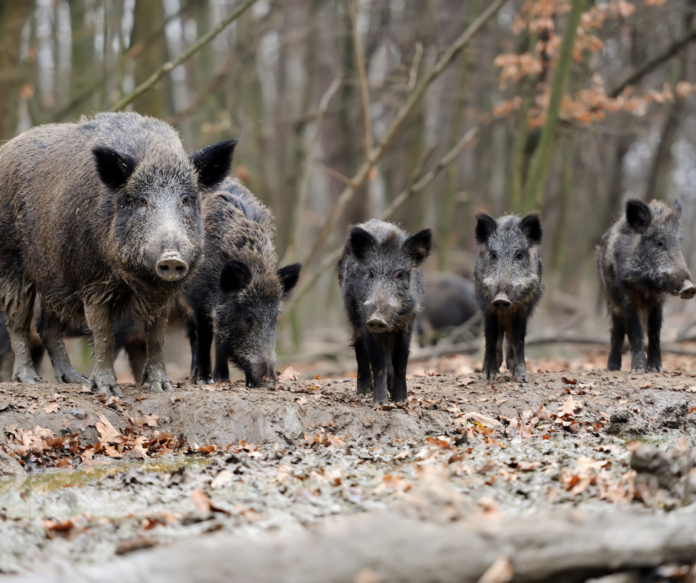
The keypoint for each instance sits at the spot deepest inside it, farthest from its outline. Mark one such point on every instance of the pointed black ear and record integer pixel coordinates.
(289, 275)
(638, 215)
(361, 242)
(213, 162)
(235, 276)
(485, 227)
(677, 207)
(114, 168)
(418, 246)
(530, 225)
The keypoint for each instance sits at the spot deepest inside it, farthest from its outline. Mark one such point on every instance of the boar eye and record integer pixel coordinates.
(519, 255)
(186, 199)
(372, 274)
(494, 255)
(659, 243)
(399, 275)
(141, 201)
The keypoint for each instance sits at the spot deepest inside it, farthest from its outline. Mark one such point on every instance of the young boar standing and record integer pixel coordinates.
(639, 260)
(382, 288)
(508, 287)
(102, 218)
(236, 294)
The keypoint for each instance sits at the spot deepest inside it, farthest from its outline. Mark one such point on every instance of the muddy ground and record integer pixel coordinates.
(88, 478)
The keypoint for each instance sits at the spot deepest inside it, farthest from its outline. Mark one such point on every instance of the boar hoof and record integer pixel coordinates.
(27, 377)
(521, 377)
(656, 368)
(159, 386)
(638, 369)
(71, 376)
(201, 381)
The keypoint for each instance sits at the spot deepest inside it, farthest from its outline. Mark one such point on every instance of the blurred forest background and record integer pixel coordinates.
(422, 111)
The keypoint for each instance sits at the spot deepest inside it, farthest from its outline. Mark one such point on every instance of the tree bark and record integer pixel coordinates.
(13, 15)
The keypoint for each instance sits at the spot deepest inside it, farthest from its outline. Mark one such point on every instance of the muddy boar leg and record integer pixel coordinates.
(509, 352)
(51, 330)
(635, 338)
(136, 349)
(380, 368)
(202, 373)
(103, 377)
(364, 372)
(516, 334)
(490, 358)
(618, 332)
(18, 320)
(654, 327)
(154, 371)
(400, 363)
(193, 342)
(499, 345)
(222, 368)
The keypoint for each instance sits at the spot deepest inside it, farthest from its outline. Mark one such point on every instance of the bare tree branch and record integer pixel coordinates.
(185, 56)
(360, 58)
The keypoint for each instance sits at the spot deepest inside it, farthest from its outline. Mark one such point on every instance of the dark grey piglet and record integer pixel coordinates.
(639, 260)
(382, 287)
(508, 287)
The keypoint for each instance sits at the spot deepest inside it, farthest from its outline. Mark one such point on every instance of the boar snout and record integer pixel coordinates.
(502, 301)
(260, 372)
(687, 291)
(377, 324)
(171, 267)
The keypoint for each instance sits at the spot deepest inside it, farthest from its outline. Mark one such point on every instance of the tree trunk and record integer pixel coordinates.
(148, 16)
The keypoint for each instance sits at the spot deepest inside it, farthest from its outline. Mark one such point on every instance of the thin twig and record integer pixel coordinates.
(307, 172)
(413, 73)
(360, 58)
(413, 98)
(192, 50)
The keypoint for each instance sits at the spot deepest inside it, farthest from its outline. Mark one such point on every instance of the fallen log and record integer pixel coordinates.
(551, 547)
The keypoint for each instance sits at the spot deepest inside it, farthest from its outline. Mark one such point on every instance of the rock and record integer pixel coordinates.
(10, 467)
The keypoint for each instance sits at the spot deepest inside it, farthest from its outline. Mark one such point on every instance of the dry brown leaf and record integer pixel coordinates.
(289, 374)
(52, 408)
(528, 466)
(396, 483)
(483, 420)
(135, 544)
(570, 407)
(568, 381)
(222, 480)
(201, 501)
(107, 432)
(501, 571)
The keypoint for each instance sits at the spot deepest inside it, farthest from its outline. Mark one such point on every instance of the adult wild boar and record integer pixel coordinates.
(639, 261)
(508, 287)
(235, 295)
(382, 288)
(101, 218)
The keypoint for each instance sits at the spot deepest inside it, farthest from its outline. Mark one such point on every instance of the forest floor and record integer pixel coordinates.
(86, 478)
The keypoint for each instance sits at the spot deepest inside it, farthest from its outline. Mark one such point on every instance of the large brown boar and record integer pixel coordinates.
(639, 261)
(235, 295)
(101, 218)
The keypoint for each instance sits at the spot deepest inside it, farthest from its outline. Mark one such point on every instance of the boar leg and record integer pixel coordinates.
(509, 352)
(380, 369)
(490, 358)
(103, 377)
(654, 327)
(364, 373)
(499, 344)
(52, 330)
(18, 315)
(193, 343)
(202, 373)
(400, 363)
(154, 371)
(618, 332)
(516, 335)
(222, 368)
(635, 338)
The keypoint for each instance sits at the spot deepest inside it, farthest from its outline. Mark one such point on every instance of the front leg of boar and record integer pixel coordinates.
(202, 370)
(490, 358)
(380, 369)
(654, 327)
(400, 362)
(52, 331)
(364, 372)
(222, 367)
(516, 335)
(154, 371)
(103, 377)
(18, 319)
(635, 338)
(618, 333)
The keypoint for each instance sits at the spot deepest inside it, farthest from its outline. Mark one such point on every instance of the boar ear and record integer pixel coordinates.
(677, 207)
(638, 215)
(485, 227)
(418, 246)
(235, 276)
(361, 242)
(530, 225)
(289, 275)
(114, 168)
(213, 162)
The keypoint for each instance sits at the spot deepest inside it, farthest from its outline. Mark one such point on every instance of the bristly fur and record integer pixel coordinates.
(239, 231)
(639, 261)
(86, 209)
(380, 277)
(508, 264)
